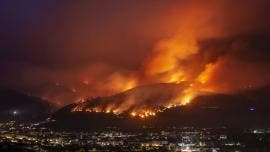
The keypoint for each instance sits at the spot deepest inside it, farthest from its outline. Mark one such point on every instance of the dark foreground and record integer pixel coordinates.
(30, 137)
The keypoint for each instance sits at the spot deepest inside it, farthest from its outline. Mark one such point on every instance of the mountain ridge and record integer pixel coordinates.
(18, 106)
(246, 109)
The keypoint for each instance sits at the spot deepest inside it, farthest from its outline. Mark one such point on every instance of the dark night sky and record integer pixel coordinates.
(47, 42)
(56, 34)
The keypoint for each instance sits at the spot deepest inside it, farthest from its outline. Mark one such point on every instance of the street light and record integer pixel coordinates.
(15, 112)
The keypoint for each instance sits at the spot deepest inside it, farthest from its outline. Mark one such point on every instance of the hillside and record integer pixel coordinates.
(18, 106)
(245, 109)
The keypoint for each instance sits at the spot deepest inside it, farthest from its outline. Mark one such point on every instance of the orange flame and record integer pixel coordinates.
(168, 64)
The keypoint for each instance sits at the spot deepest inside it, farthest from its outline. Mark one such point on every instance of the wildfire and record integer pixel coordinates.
(176, 77)
(146, 113)
(205, 75)
(139, 113)
(129, 85)
(166, 56)
(133, 114)
(117, 83)
(143, 114)
(172, 61)
(163, 66)
(196, 50)
(186, 99)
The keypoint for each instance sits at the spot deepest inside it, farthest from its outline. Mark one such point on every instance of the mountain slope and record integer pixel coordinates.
(148, 97)
(21, 107)
(245, 109)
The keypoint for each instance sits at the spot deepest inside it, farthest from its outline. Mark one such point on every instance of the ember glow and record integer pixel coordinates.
(142, 102)
(82, 52)
(180, 58)
(140, 113)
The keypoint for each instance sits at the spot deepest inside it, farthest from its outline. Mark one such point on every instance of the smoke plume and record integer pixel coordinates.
(89, 49)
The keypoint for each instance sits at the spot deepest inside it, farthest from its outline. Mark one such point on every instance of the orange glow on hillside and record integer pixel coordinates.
(206, 74)
(177, 59)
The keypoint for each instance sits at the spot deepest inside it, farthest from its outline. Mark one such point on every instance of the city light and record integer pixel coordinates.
(185, 139)
(15, 112)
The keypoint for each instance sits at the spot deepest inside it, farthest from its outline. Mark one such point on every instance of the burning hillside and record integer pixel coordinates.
(142, 101)
(245, 109)
(213, 45)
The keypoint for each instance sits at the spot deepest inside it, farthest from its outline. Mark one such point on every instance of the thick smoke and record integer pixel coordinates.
(90, 49)
(215, 39)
